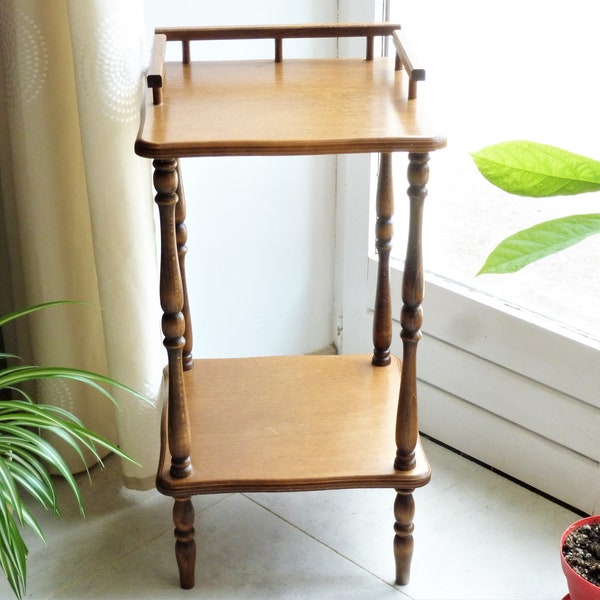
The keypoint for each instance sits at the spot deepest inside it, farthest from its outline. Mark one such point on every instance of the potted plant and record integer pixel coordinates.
(580, 558)
(537, 170)
(27, 457)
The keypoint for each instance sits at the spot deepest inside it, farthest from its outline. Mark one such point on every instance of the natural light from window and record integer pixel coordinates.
(499, 71)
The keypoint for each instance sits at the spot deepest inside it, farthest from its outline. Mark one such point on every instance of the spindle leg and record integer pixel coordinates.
(411, 320)
(173, 321)
(185, 546)
(181, 235)
(404, 512)
(411, 316)
(166, 183)
(384, 232)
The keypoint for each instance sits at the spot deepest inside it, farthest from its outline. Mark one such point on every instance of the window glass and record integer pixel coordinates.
(500, 71)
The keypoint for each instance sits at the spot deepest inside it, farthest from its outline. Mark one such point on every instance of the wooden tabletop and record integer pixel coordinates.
(297, 106)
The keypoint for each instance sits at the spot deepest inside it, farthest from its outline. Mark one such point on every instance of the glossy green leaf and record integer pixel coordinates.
(13, 551)
(11, 376)
(26, 457)
(21, 438)
(36, 482)
(537, 170)
(529, 245)
(10, 491)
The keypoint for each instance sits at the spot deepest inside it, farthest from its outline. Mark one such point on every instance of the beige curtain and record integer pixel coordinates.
(76, 208)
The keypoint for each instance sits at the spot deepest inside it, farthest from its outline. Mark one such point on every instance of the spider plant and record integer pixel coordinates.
(28, 457)
(537, 170)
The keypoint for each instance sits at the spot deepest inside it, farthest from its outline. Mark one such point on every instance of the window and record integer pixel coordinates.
(511, 70)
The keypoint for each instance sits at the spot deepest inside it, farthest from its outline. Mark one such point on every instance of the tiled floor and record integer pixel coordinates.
(477, 536)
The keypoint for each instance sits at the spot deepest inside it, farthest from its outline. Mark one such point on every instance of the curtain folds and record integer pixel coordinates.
(77, 215)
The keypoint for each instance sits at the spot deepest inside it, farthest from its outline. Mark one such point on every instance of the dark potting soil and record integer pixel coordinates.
(582, 552)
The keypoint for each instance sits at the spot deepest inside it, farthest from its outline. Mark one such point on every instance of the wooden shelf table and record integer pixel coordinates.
(302, 422)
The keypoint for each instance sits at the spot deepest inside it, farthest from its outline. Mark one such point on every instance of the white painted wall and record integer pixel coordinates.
(261, 229)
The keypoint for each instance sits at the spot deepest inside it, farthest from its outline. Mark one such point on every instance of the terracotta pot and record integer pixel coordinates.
(579, 588)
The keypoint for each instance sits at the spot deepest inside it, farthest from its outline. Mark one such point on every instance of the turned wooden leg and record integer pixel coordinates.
(173, 321)
(185, 546)
(404, 512)
(411, 316)
(181, 236)
(384, 232)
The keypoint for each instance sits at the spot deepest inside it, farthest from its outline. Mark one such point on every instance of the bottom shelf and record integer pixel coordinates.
(291, 423)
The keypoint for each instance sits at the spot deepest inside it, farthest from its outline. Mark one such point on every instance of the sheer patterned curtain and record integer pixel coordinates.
(77, 215)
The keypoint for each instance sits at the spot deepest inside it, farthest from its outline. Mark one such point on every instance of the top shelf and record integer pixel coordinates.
(292, 106)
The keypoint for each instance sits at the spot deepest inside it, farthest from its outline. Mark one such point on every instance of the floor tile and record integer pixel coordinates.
(478, 536)
(244, 552)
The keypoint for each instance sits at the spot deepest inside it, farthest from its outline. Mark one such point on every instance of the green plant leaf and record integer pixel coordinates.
(29, 472)
(529, 245)
(13, 550)
(13, 556)
(27, 311)
(26, 456)
(59, 421)
(36, 482)
(32, 523)
(21, 439)
(9, 490)
(21, 373)
(537, 170)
